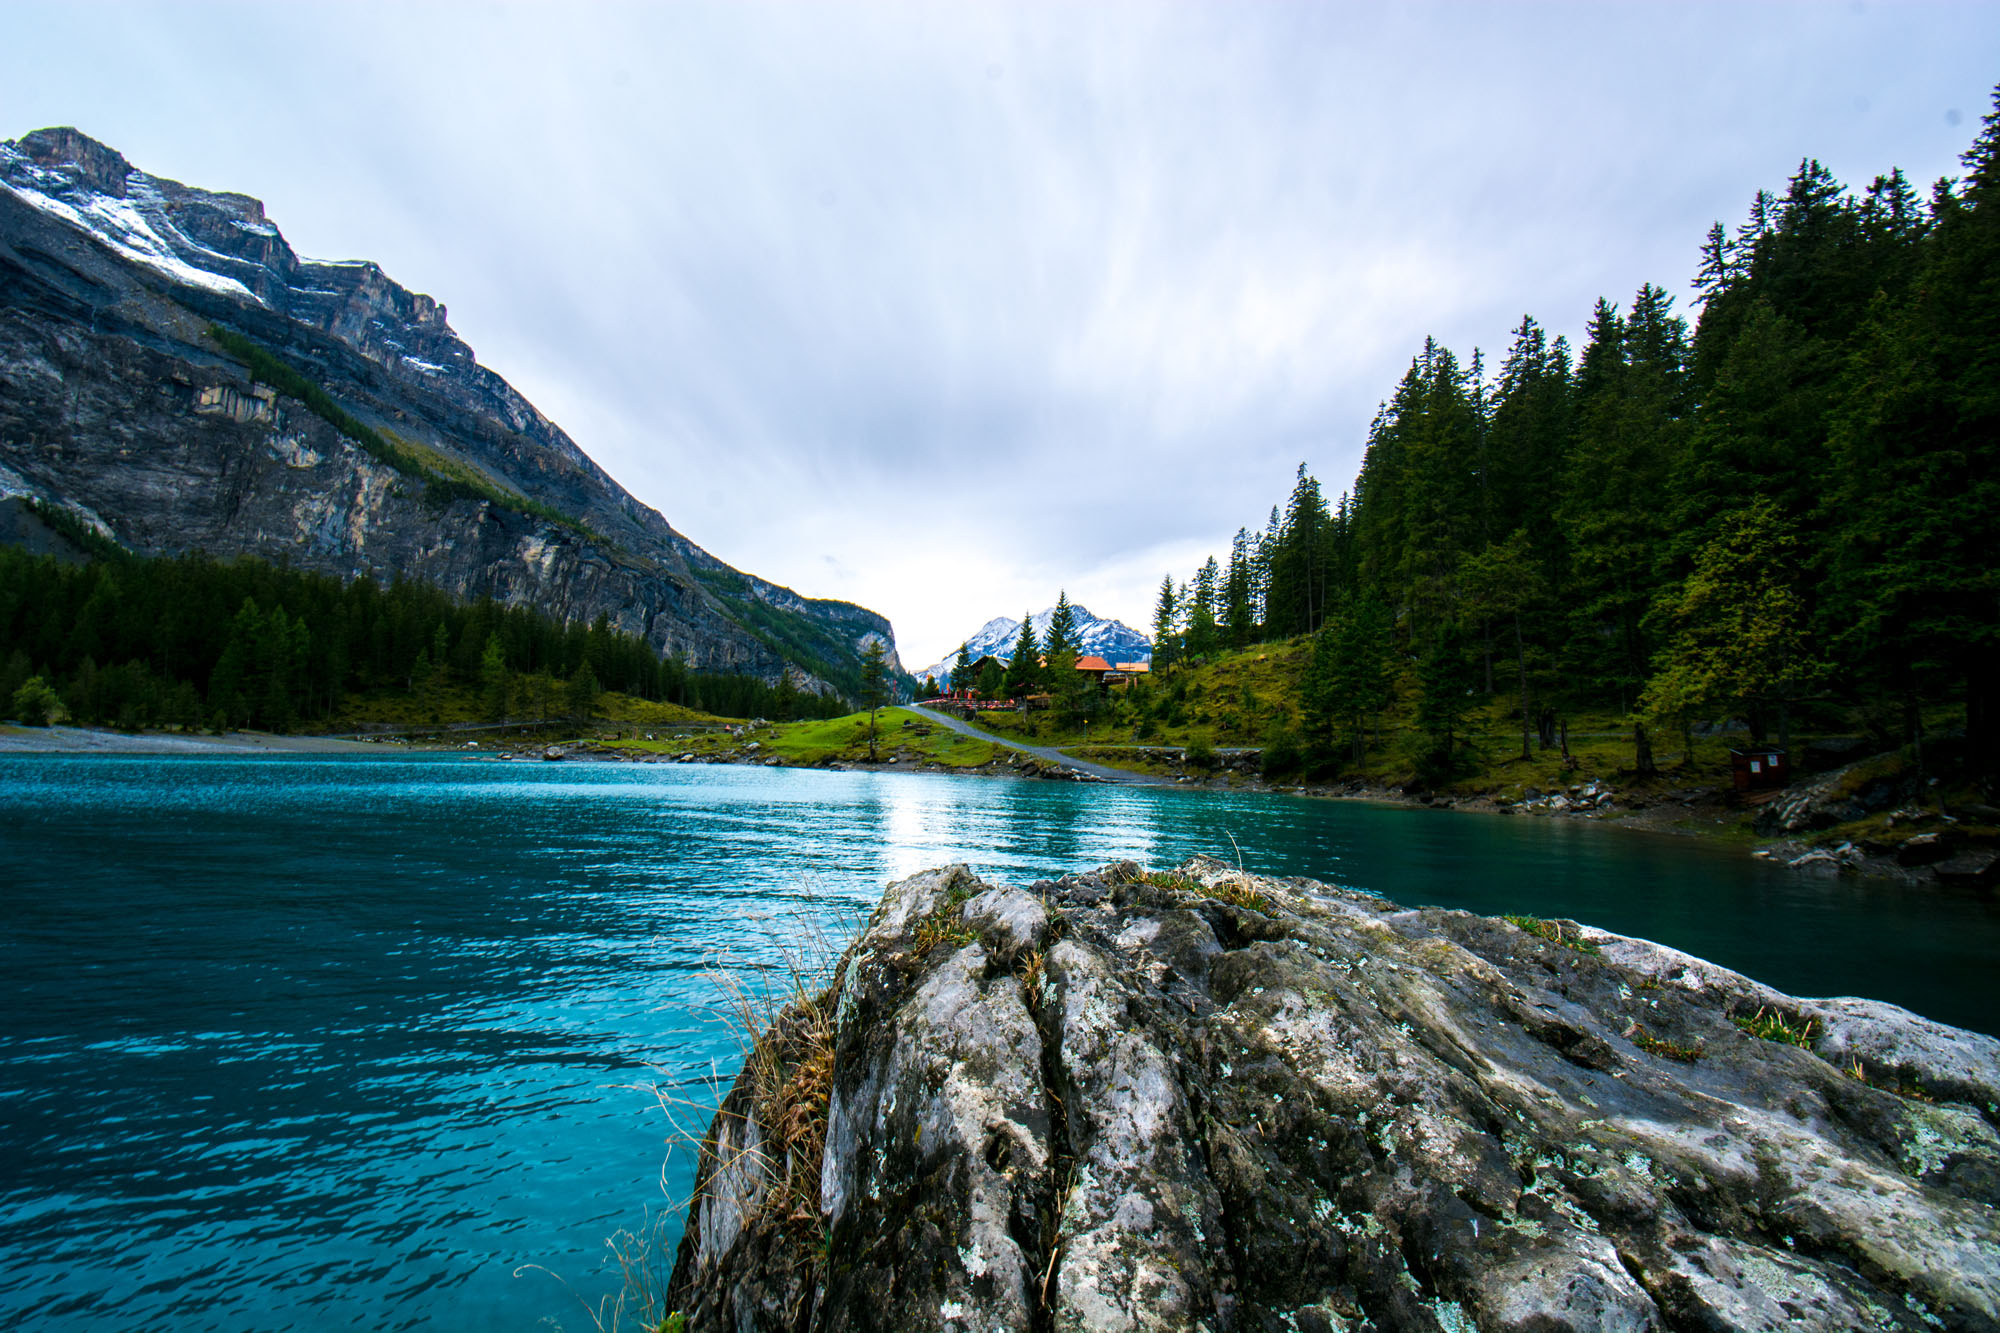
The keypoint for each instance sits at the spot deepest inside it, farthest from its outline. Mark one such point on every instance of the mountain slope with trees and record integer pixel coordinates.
(1785, 513)
(174, 378)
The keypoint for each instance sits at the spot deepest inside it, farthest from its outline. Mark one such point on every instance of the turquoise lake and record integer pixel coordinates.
(333, 1043)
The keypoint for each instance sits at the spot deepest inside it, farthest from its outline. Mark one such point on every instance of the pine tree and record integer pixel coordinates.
(439, 678)
(1166, 615)
(874, 686)
(1059, 654)
(1445, 685)
(1062, 631)
(1202, 635)
(493, 679)
(1718, 265)
(1296, 601)
(961, 669)
(1632, 393)
(582, 691)
(1319, 701)
(991, 680)
(1263, 551)
(1502, 584)
(1419, 496)
(1529, 440)
(1363, 678)
(1237, 591)
(1024, 669)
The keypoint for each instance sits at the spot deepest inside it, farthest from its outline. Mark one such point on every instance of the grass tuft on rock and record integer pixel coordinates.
(1553, 932)
(1666, 1050)
(1238, 894)
(944, 924)
(1232, 891)
(1772, 1025)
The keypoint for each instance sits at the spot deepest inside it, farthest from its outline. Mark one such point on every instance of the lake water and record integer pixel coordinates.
(336, 1043)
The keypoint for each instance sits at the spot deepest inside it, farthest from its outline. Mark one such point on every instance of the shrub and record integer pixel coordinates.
(35, 703)
(1198, 753)
(1320, 760)
(1281, 755)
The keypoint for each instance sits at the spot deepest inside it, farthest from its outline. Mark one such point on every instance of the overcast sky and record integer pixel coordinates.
(942, 308)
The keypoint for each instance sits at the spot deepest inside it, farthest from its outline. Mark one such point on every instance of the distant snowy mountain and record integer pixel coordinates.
(1111, 640)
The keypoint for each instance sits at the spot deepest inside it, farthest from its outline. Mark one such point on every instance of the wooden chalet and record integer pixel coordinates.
(1094, 667)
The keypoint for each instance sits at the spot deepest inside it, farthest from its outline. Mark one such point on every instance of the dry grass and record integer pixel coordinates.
(783, 1019)
(791, 1079)
(1903, 1083)
(645, 1266)
(1033, 967)
(786, 1029)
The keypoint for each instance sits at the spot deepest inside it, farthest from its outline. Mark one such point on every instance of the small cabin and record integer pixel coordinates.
(1759, 768)
(1094, 667)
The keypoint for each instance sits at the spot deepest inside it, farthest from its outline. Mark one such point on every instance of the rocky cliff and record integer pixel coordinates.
(1205, 1100)
(119, 404)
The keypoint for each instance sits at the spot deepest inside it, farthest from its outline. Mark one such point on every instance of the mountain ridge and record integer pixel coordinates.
(120, 408)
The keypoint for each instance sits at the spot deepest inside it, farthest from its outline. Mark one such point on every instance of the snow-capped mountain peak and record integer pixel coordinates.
(1112, 640)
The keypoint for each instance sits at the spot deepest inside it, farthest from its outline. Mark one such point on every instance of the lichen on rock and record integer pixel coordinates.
(1132, 1100)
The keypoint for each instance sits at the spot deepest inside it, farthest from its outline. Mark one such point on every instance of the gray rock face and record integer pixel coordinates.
(1136, 1101)
(116, 405)
(1824, 802)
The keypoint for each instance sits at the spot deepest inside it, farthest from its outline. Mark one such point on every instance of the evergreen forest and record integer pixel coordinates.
(192, 641)
(1780, 508)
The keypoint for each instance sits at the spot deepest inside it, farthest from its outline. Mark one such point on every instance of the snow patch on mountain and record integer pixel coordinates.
(122, 224)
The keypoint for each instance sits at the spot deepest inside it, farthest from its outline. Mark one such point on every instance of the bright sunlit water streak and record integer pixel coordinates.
(326, 1043)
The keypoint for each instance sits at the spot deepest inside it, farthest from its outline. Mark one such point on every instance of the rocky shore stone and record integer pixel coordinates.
(1200, 1099)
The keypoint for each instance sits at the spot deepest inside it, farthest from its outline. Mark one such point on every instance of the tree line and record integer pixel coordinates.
(194, 641)
(1785, 510)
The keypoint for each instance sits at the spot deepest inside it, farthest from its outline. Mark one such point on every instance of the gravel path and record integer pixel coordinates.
(1045, 753)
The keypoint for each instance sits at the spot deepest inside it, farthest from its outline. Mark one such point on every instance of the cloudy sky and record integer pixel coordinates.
(941, 308)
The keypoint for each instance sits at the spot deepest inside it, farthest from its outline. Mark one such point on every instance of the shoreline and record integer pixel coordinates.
(1695, 812)
(1703, 813)
(96, 740)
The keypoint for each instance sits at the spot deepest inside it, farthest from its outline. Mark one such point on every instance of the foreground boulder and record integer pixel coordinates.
(1201, 1099)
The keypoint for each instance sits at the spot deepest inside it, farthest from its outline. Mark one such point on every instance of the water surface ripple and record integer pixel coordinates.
(325, 1043)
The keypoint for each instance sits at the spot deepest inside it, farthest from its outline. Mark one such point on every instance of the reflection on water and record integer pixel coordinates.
(317, 1043)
